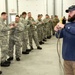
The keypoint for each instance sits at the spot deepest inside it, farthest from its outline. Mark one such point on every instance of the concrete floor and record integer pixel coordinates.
(44, 62)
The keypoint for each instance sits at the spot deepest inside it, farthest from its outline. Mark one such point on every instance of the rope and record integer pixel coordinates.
(59, 55)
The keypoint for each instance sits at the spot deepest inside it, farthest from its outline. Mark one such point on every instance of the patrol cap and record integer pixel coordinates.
(71, 8)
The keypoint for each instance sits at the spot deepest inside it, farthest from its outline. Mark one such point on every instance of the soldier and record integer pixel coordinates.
(15, 39)
(55, 21)
(47, 26)
(52, 18)
(4, 40)
(43, 29)
(32, 32)
(40, 29)
(23, 20)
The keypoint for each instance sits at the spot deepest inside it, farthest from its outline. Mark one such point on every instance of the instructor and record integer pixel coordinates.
(67, 32)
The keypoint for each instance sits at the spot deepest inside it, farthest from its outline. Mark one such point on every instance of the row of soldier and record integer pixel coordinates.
(22, 32)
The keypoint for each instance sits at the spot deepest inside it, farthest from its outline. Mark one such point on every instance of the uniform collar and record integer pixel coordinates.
(2, 19)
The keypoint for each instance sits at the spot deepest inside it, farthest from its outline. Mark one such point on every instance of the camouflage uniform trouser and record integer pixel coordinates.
(45, 31)
(4, 48)
(53, 25)
(33, 35)
(40, 33)
(49, 30)
(17, 44)
(25, 41)
(53, 32)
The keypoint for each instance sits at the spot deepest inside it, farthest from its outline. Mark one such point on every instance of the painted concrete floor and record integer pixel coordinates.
(44, 62)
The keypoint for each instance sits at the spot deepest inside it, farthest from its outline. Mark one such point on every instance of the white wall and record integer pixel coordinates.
(34, 6)
(2, 6)
(50, 7)
(58, 8)
(12, 7)
(66, 4)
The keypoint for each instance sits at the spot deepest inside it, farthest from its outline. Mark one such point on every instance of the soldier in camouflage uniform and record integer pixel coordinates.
(15, 39)
(32, 32)
(52, 18)
(23, 20)
(49, 26)
(55, 21)
(40, 29)
(4, 40)
(47, 22)
(43, 29)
